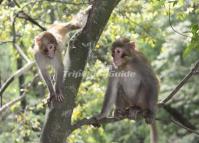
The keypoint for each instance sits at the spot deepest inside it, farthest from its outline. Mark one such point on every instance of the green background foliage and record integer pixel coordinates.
(151, 23)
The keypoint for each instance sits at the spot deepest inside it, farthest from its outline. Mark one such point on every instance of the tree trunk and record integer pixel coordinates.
(57, 125)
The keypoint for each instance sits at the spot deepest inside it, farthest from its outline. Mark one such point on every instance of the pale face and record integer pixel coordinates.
(47, 44)
(50, 50)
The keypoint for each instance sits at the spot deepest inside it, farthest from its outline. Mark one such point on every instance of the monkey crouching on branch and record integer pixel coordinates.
(48, 51)
(48, 47)
(135, 94)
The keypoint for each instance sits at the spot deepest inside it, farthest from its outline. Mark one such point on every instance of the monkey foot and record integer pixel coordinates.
(120, 113)
(149, 117)
(96, 121)
(59, 98)
(134, 112)
(50, 98)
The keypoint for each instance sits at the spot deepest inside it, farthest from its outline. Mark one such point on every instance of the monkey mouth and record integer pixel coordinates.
(51, 55)
(118, 63)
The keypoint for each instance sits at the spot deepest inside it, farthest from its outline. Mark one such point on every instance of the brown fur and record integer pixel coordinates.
(134, 95)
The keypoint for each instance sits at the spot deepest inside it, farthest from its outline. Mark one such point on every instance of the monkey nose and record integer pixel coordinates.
(118, 51)
(46, 50)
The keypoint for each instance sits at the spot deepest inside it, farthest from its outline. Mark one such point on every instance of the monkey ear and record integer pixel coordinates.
(38, 39)
(132, 45)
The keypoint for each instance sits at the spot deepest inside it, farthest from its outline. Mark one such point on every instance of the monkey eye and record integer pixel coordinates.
(123, 55)
(46, 50)
(50, 46)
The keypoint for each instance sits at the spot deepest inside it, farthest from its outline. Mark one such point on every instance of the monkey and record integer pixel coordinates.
(48, 47)
(135, 95)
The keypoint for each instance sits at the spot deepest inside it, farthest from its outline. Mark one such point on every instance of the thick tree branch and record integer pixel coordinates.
(58, 119)
(92, 121)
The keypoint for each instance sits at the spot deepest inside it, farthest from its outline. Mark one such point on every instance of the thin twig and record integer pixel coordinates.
(173, 27)
(21, 97)
(5, 42)
(22, 14)
(15, 75)
(21, 52)
(65, 2)
(178, 87)
(185, 127)
(1, 98)
(9, 104)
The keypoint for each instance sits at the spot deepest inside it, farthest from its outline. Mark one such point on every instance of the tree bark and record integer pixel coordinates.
(57, 126)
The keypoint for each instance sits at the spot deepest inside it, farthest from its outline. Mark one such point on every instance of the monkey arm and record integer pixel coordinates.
(41, 64)
(110, 96)
(46, 78)
(59, 71)
(59, 78)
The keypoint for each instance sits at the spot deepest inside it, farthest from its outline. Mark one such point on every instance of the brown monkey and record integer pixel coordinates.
(48, 47)
(132, 95)
(47, 51)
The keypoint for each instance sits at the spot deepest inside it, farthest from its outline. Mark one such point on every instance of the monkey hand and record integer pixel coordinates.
(149, 116)
(97, 118)
(50, 98)
(59, 97)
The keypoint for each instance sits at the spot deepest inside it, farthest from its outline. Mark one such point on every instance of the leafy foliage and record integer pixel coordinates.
(150, 23)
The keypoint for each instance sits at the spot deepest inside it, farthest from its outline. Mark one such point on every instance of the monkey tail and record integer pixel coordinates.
(153, 132)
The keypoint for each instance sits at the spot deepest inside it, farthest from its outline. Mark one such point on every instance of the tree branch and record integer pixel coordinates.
(178, 87)
(65, 2)
(19, 50)
(179, 117)
(9, 104)
(92, 121)
(15, 75)
(23, 15)
(58, 119)
(181, 120)
(5, 42)
(185, 127)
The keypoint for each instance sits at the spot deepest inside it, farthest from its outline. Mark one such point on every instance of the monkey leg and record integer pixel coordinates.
(121, 105)
(149, 116)
(134, 112)
(120, 113)
(96, 123)
(49, 99)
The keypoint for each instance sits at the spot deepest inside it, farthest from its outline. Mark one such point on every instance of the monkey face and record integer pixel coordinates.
(47, 44)
(119, 55)
(122, 52)
(49, 50)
